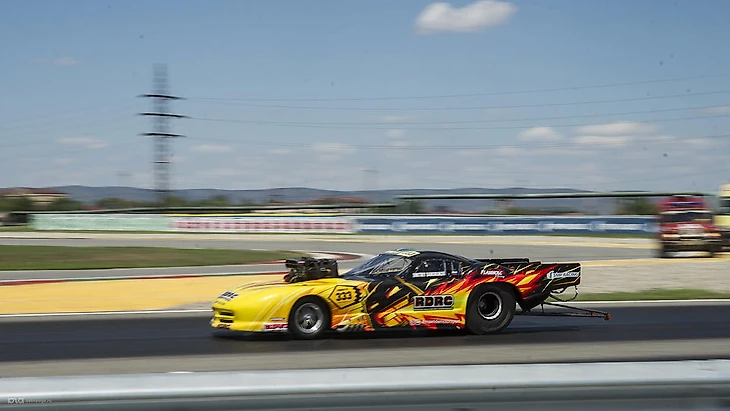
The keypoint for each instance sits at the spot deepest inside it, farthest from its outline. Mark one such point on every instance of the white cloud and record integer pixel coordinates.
(399, 144)
(699, 142)
(603, 140)
(333, 148)
(442, 17)
(508, 151)
(222, 172)
(619, 128)
(395, 119)
(468, 153)
(717, 110)
(61, 61)
(211, 148)
(86, 142)
(332, 151)
(63, 161)
(540, 134)
(395, 133)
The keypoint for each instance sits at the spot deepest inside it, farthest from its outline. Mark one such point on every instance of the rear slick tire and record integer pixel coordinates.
(490, 309)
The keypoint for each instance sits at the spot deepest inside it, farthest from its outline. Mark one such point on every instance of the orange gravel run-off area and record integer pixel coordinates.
(118, 295)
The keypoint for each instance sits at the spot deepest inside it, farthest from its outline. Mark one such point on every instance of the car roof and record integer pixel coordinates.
(413, 253)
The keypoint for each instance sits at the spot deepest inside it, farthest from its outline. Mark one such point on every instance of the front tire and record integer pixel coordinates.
(309, 319)
(490, 309)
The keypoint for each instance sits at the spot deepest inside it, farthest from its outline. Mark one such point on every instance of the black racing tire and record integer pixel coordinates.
(309, 319)
(663, 252)
(490, 309)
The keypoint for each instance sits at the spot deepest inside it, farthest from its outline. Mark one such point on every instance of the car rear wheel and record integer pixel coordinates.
(309, 319)
(490, 309)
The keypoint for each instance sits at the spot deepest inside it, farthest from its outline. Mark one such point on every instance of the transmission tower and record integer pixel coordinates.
(161, 130)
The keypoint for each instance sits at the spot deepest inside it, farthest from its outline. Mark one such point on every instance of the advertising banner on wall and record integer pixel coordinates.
(374, 224)
(506, 225)
(263, 224)
(106, 222)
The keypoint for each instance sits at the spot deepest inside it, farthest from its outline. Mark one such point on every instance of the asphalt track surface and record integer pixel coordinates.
(103, 344)
(155, 342)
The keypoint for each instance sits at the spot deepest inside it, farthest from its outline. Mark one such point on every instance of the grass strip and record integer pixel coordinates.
(22, 257)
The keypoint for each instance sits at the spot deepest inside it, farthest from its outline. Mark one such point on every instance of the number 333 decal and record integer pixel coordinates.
(344, 296)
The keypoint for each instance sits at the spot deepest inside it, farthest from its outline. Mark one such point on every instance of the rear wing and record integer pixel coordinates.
(310, 268)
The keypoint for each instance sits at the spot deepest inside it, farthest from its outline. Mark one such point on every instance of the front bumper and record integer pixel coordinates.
(227, 319)
(692, 244)
(725, 236)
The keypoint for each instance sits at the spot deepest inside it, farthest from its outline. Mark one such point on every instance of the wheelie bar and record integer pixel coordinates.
(582, 312)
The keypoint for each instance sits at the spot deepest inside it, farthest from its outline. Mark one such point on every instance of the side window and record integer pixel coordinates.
(453, 268)
(432, 268)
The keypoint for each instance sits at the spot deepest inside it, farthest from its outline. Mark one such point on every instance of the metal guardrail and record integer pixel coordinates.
(697, 385)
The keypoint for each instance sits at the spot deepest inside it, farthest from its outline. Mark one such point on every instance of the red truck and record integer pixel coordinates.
(685, 224)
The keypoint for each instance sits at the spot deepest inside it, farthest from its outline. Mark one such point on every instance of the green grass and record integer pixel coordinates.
(11, 228)
(655, 294)
(21, 257)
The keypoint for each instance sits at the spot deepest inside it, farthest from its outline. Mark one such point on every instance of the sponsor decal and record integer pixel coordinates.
(433, 302)
(277, 319)
(429, 274)
(552, 275)
(343, 296)
(435, 322)
(228, 295)
(276, 327)
(224, 326)
(403, 253)
(494, 272)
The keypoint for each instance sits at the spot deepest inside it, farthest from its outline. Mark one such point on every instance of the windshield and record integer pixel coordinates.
(383, 264)
(725, 206)
(687, 217)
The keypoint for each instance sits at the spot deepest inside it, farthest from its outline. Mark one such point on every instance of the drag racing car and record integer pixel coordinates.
(399, 288)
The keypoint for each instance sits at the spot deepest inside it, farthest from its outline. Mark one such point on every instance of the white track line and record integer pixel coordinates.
(141, 277)
(617, 302)
(107, 313)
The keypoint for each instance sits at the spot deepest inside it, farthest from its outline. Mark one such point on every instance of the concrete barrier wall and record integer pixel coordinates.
(678, 385)
(365, 224)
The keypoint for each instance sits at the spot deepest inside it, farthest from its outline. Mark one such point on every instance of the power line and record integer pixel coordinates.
(574, 103)
(296, 125)
(400, 124)
(35, 118)
(609, 142)
(497, 93)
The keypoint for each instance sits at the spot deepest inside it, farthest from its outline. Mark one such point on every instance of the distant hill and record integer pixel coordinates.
(594, 206)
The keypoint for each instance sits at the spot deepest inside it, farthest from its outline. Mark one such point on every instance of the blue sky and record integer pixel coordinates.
(431, 95)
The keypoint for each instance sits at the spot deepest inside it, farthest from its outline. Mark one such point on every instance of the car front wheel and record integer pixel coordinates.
(309, 319)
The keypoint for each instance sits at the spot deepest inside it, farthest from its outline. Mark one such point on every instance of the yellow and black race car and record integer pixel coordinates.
(400, 288)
